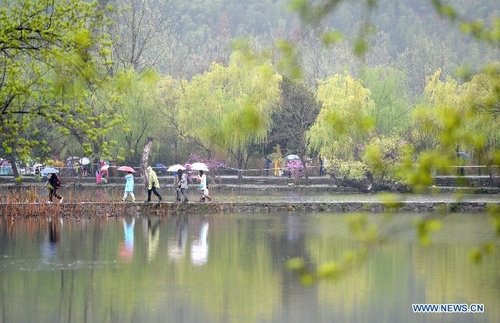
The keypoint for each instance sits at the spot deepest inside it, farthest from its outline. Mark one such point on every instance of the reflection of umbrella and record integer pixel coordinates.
(85, 161)
(104, 167)
(126, 169)
(199, 166)
(464, 155)
(49, 170)
(292, 157)
(175, 168)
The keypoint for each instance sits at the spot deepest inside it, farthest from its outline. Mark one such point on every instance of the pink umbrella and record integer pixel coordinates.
(126, 169)
(104, 167)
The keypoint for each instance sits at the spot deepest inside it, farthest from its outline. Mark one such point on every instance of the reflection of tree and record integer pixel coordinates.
(448, 276)
(289, 244)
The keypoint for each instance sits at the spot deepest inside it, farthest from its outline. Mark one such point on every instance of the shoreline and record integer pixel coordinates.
(117, 209)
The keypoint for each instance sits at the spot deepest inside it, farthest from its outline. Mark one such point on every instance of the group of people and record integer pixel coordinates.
(181, 182)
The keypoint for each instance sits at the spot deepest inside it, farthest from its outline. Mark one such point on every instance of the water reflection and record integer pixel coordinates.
(71, 271)
(126, 250)
(178, 242)
(51, 242)
(153, 237)
(199, 248)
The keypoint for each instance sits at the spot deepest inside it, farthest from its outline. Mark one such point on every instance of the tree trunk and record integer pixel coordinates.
(145, 158)
(15, 171)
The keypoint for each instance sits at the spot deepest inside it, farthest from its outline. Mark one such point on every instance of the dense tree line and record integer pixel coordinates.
(126, 70)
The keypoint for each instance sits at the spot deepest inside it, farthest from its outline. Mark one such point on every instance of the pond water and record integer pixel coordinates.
(232, 268)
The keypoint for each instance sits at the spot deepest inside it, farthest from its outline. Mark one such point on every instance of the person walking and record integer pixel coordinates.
(203, 187)
(129, 187)
(266, 165)
(182, 185)
(54, 185)
(277, 167)
(153, 184)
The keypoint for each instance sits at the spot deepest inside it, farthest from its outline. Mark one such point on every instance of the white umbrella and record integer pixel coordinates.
(73, 158)
(85, 161)
(291, 157)
(199, 166)
(175, 168)
(104, 167)
(49, 170)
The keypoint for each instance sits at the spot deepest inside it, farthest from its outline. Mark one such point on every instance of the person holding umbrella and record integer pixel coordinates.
(129, 187)
(153, 184)
(54, 185)
(182, 185)
(202, 178)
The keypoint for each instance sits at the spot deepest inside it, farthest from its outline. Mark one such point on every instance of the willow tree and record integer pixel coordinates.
(345, 119)
(230, 107)
(457, 117)
(49, 57)
(139, 113)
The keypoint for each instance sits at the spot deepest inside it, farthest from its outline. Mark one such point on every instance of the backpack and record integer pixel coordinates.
(58, 183)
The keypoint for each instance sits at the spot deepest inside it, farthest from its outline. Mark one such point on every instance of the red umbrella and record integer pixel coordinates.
(126, 169)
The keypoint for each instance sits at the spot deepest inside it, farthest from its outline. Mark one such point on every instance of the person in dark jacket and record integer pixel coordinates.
(53, 186)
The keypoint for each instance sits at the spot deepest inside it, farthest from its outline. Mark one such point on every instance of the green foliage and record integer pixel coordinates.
(295, 113)
(231, 106)
(347, 169)
(459, 116)
(137, 96)
(424, 229)
(344, 121)
(382, 156)
(49, 58)
(390, 94)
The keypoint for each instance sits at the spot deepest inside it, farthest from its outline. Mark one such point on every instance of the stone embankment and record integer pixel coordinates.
(113, 209)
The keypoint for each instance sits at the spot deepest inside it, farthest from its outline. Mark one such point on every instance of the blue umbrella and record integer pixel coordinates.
(464, 155)
(49, 170)
(292, 157)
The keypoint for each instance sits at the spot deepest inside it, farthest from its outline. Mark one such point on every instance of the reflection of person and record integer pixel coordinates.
(199, 249)
(153, 184)
(129, 187)
(182, 185)
(49, 248)
(203, 187)
(127, 246)
(176, 248)
(53, 186)
(153, 238)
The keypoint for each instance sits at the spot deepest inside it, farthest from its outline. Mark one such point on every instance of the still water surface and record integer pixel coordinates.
(231, 268)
